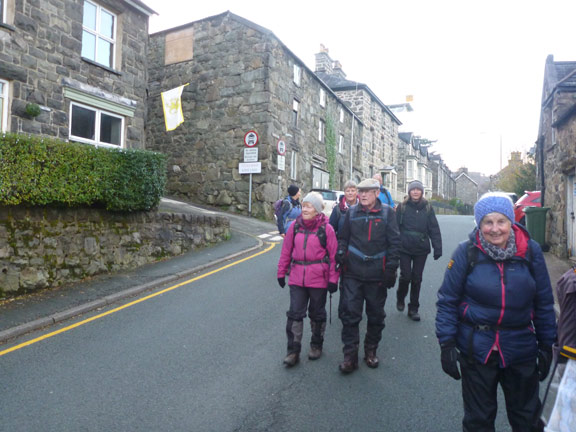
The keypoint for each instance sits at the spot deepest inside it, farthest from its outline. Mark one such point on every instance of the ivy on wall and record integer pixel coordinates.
(331, 150)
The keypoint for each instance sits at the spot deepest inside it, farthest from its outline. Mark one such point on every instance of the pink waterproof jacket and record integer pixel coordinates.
(303, 257)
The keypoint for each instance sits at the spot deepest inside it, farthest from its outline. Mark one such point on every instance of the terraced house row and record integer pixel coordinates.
(88, 71)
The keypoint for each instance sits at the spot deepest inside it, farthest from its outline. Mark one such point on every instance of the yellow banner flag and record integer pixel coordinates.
(172, 104)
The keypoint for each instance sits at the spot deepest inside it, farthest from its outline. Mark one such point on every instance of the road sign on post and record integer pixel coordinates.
(281, 147)
(250, 154)
(250, 139)
(281, 163)
(249, 167)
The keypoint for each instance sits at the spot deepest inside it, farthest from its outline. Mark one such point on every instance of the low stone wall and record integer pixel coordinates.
(45, 247)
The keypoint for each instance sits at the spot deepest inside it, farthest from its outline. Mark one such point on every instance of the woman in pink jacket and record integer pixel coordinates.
(308, 255)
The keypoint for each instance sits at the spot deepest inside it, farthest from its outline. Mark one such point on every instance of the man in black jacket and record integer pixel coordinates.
(368, 253)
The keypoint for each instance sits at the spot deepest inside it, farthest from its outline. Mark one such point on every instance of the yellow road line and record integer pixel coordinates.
(127, 305)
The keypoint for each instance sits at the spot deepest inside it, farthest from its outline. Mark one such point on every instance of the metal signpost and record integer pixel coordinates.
(251, 164)
(281, 163)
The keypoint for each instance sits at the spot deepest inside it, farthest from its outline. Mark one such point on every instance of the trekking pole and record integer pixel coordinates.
(330, 308)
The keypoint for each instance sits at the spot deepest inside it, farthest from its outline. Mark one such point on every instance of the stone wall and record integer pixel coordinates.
(559, 165)
(42, 247)
(41, 54)
(240, 79)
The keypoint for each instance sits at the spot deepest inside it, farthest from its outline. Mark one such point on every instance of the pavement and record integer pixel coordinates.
(34, 311)
(31, 312)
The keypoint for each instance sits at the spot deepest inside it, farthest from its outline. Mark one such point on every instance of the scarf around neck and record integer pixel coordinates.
(497, 253)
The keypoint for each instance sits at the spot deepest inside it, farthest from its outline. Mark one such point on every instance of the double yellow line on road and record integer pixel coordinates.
(127, 305)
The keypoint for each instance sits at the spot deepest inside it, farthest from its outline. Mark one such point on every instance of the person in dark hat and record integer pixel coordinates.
(368, 245)
(495, 318)
(290, 210)
(418, 227)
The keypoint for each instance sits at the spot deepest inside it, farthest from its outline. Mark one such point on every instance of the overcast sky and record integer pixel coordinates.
(475, 69)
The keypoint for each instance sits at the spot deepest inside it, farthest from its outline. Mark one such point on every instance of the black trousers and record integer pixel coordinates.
(302, 298)
(353, 294)
(479, 392)
(411, 270)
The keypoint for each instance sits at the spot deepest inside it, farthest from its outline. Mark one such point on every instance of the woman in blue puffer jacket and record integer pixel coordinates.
(495, 316)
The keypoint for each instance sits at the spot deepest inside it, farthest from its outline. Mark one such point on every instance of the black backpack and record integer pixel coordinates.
(320, 233)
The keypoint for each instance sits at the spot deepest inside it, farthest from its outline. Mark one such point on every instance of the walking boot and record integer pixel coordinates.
(413, 314)
(294, 331)
(370, 356)
(291, 359)
(400, 305)
(318, 329)
(350, 363)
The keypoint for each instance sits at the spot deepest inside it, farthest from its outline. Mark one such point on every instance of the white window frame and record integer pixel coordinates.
(341, 144)
(96, 141)
(3, 11)
(321, 130)
(295, 112)
(293, 165)
(297, 75)
(322, 98)
(341, 115)
(4, 98)
(98, 35)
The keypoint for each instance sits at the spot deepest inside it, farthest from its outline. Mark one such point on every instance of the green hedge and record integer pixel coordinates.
(38, 171)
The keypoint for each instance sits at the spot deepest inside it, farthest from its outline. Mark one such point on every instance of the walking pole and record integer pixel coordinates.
(330, 308)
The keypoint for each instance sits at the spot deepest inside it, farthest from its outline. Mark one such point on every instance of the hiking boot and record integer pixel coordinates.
(315, 353)
(414, 315)
(350, 363)
(400, 305)
(370, 357)
(291, 359)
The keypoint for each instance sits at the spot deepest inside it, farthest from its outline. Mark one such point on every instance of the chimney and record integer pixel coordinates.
(323, 61)
(338, 70)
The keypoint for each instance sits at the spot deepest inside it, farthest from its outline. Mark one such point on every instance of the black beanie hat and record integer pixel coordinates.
(293, 190)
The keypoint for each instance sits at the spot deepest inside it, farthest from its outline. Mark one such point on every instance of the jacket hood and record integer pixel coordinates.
(342, 203)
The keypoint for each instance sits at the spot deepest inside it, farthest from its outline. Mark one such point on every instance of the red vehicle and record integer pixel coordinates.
(529, 199)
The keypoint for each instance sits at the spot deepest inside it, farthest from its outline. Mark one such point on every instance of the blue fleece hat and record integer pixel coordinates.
(493, 202)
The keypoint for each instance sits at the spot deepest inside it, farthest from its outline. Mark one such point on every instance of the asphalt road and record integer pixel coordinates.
(207, 356)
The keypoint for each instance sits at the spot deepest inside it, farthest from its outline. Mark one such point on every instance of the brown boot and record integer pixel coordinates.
(370, 356)
(350, 363)
(315, 353)
(291, 359)
(318, 328)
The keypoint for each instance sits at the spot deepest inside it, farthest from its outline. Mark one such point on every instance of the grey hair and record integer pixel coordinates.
(350, 184)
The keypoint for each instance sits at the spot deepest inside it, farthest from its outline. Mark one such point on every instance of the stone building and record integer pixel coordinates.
(466, 187)
(556, 155)
(243, 78)
(443, 184)
(377, 152)
(75, 69)
(414, 163)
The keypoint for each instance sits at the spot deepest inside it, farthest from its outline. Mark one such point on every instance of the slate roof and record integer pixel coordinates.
(337, 83)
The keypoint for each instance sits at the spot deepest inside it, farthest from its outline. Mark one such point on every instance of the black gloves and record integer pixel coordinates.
(332, 287)
(544, 362)
(437, 256)
(339, 259)
(282, 282)
(449, 359)
(389, 277)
